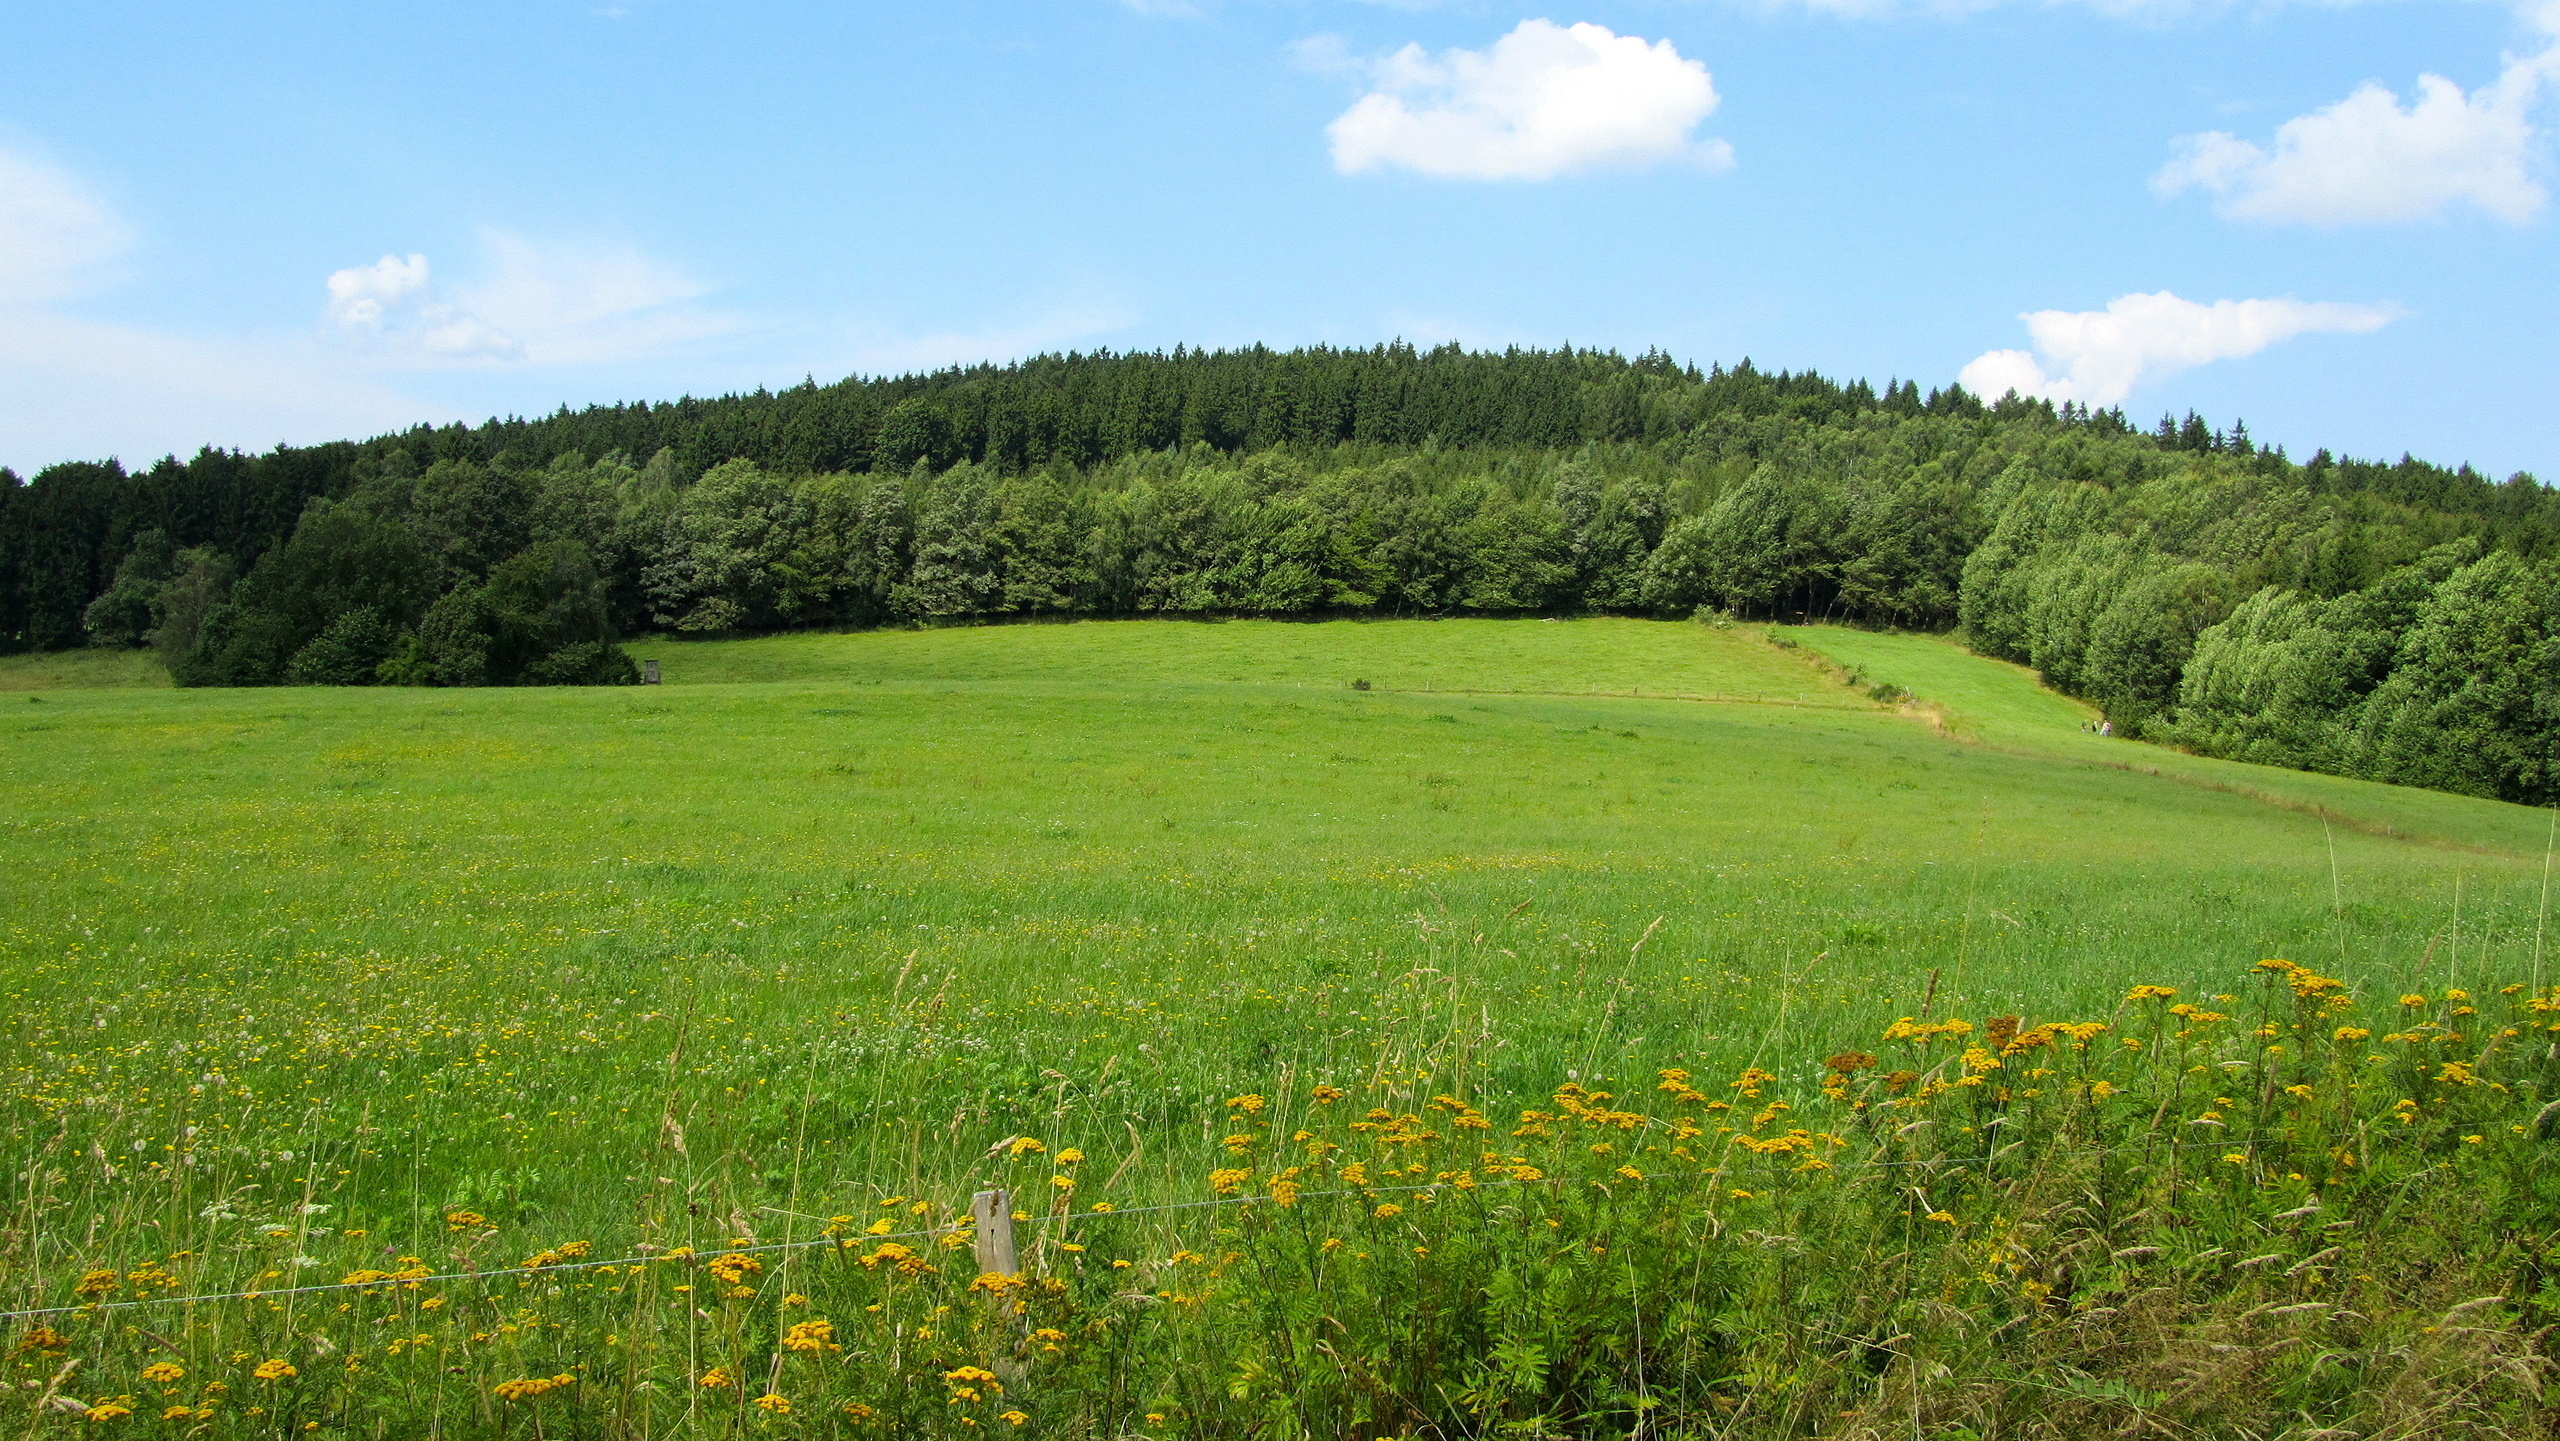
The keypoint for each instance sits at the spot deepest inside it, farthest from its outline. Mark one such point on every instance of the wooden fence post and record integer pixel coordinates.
(993, 1211)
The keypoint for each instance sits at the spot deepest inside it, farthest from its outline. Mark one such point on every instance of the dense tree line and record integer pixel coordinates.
(2390, 620)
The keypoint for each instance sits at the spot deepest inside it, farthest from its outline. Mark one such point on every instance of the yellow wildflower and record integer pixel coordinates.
(810, 1336)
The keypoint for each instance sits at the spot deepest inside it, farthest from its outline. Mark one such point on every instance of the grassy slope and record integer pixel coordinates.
(82, 670)
(1562, 657)
(2001, 705)
(1191, 848)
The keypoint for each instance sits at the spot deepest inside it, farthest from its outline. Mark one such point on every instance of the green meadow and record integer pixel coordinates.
(827, 919)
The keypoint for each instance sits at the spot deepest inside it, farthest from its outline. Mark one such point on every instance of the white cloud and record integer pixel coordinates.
(55, 235)
(2370, 160)
(1546, 100)
(390, 306)
(2097, 357)
(78, 385)
(538, 302)
(359, 296)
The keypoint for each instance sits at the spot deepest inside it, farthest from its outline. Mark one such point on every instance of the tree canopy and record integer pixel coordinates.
(2396, 620)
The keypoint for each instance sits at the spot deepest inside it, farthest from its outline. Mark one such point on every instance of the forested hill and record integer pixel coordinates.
(2393, 620)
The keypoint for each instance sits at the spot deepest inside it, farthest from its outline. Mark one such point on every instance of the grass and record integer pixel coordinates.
(83, 669)
(1997, 704)
(1555, 657)
(826, 919)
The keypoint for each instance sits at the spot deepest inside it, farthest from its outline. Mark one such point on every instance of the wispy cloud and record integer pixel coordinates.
(2098, 357)
(1545, 101)
(57, 238)
(87, 389)
(533, 302)
(80, 386)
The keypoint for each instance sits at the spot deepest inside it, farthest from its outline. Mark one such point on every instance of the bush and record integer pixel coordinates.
(350, 652)
(585, 662)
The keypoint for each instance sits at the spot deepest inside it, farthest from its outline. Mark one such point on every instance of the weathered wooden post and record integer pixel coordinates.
(993, 1212)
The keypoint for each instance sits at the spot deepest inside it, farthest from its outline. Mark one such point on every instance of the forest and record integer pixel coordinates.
(2395, 621)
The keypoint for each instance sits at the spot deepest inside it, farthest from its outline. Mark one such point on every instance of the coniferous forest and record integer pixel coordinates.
(2393, 621)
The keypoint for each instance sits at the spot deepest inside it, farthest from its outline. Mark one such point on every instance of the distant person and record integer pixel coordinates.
(2106, 728)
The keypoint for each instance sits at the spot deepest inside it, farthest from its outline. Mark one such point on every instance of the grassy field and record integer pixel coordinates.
(83, 669)
(294, 976)
(1556, 657)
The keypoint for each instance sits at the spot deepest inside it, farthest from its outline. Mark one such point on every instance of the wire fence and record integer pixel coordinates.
(854, 1241)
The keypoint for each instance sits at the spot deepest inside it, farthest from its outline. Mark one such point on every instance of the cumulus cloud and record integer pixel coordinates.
(56, 236)
(2097, 357)
(1546, 100)
(2369, 159)
(391, 304)
(557, 303)
(361, 295)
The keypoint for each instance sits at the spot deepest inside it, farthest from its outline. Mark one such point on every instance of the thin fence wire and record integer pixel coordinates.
(854, 1241)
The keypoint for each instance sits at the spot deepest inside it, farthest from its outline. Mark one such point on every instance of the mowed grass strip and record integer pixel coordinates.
(1998, 704)
(1584, 656)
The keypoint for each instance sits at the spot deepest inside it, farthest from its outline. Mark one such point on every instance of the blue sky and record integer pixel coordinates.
(260, 222)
